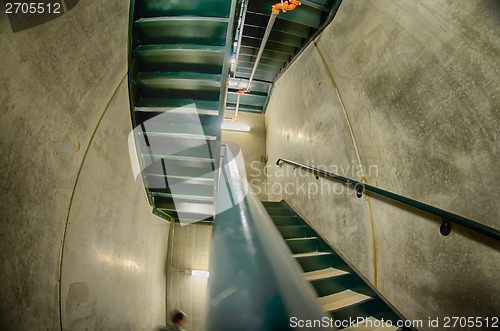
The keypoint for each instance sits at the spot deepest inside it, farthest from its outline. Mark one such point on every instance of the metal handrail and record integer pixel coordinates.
(446, 216)
(240, 36)
(254, 282)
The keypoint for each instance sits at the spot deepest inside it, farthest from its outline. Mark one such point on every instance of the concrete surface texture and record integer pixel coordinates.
(115, 252)
(419, 84)
(253, 146)
(189, 249)
(56, 81)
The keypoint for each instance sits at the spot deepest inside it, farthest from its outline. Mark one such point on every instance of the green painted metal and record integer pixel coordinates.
(154, 8)
(252, 31)
(288, 27)
(179, 55)
(307, 240)
(254, 283)
(182, 30)
(290, 33)
(444, 215)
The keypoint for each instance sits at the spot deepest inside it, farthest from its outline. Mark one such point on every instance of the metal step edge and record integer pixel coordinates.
(340, 300)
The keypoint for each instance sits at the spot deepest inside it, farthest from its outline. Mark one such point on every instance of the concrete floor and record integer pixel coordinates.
(420, 86)
(57, 80)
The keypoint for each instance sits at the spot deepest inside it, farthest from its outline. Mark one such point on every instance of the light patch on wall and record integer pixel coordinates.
(117, 261)
(200, 273)
(229, 126)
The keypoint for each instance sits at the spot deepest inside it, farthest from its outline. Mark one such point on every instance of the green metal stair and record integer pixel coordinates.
(342, 291)
(291, 32)
(179, 55)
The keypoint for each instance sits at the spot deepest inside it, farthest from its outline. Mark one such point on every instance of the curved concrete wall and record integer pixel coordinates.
(419, 81)
(63, 137)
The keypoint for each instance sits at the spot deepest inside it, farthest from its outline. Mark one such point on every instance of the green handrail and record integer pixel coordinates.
(446, 216)
(254, 283)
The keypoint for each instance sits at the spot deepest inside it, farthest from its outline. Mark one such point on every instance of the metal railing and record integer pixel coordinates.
(254, 282)
(447, 217)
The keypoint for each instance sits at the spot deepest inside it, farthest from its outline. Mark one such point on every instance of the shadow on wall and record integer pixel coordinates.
(26, 15)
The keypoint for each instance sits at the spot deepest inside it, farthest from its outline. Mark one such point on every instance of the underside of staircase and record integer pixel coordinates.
(178, 66)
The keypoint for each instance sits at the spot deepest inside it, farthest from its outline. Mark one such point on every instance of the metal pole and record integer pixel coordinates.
(257, 60)
(262, 46)
(242, 24)
(237, 107)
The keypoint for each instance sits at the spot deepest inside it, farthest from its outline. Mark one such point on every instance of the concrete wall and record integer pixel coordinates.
(253, 146)
(57, 82)
(189, 250)
(419, 82)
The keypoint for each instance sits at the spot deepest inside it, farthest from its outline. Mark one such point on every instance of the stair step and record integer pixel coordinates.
(165, 187)
(179, 80)
(182, 30)
(185, 206)
(260, 87)
(266, 54)
(285, 220)
(309, 254)
(254, 31)
(323, 274)
(181, 145)
(180, 57)
(270, 204)
(199, 181)
(161, 105)
(369, 324)
(179, 157)
(302, 245)
(175, 167)
(341, 300)
(292, 231)
(288, 27)
(246, 108)
(178, 85)
(247, 99)
(279, 212)
(178, 135)
(216, 8)
(299, 239)
(182, 196)
(161, 127)
(189, 115)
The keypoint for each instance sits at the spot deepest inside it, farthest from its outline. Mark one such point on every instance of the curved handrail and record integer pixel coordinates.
(445, 215)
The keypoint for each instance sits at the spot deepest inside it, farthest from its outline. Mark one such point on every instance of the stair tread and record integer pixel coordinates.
(323, 273)
(343, 299)
(182, 18)
(365, 325)
(303, 238)
(185, 179)
(179, 158)
(211, 112)
(179, 135)
(187, 207)
(193, 198)
(203, 107)
(179, 47)
(310, 254)
(179, 80)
